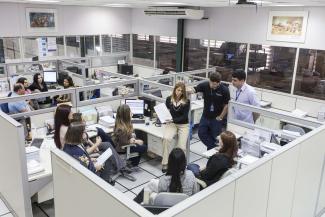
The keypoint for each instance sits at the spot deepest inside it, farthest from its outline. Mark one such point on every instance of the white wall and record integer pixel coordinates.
(142, 24)
(244, 24)
(72, 20)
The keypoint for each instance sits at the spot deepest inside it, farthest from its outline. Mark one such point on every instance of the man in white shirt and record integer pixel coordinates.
(244, 94)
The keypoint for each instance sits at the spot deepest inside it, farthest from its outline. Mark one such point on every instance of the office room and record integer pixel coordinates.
(104, 59)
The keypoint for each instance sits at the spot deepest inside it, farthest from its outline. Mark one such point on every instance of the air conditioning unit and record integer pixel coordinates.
(175, 13)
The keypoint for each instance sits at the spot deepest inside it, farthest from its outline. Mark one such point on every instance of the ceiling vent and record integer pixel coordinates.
(174, 13)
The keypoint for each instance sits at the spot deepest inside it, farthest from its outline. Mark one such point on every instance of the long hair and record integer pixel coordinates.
(229, 145)
(35, 79)
(70, 81)
(61, 117)
(183, 98)
(75, 132)
(176, 167)
(123, 119)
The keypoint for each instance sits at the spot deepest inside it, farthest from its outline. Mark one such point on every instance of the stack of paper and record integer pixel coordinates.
(33, 160)
(33, 167)
(106, 121)
(163, 113)
(32, 153)
(103, 157)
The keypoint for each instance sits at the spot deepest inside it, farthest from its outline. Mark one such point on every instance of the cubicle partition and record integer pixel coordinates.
(14, 187)
(287, 182)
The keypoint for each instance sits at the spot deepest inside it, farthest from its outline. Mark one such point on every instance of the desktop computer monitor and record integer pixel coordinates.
(125, 69)
(136, 106)
(50, 76)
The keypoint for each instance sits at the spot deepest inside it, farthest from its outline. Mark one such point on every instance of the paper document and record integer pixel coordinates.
(103, 157)
(163, 113)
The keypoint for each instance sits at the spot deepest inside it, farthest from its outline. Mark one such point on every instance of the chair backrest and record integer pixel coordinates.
(4, 106)
(294, 128)
(168, 199)
(228, 172)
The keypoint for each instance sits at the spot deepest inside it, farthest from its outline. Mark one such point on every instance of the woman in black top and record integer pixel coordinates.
(179, 107)
(39, 85)
(220, 162)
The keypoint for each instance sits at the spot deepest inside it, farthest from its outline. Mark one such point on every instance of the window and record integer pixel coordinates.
(106, 43)
(195, 54)
(43, 47)
(121, 43)
(143, 37)
(91, 45)
(143, 50)
(9, 49)
(73, 46)
(227, 57)
(310, 78)
(166, 52)
(271, 67)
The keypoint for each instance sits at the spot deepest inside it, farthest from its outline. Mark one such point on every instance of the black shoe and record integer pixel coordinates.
(163, 170)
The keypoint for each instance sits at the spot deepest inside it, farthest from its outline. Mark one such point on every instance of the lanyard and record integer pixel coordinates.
(237, 94)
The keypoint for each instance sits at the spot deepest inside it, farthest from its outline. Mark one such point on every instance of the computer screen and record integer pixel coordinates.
(50, 76)
(136, 106)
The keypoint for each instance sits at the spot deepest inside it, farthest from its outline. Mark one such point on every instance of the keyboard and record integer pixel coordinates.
(138, 121)
(37, 142)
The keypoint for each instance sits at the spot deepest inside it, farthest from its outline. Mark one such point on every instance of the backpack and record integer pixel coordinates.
(4, 106)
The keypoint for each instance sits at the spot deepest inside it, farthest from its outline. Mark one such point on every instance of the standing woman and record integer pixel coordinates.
(123, 134)
(62, 118)
(179, 107)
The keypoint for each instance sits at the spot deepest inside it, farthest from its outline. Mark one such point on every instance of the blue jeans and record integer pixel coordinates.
(140, 149)
(209, 129)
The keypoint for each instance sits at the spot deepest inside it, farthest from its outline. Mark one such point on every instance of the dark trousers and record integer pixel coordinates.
(140, 149)
(209, 129)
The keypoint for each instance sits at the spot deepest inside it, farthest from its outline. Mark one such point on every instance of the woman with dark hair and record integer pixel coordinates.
(62, 118)
(123, 134)
(38, 83)
(179, 107)
(177, 179)
(67, 83)
(220, 162)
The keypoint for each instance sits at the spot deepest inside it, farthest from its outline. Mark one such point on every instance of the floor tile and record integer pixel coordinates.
(120, 187)
(7, 215)
(3, 208)
(130, 194)
(198, 148)
(141, 176)
(194, 157)
(152, 166)
(48, 207)
(138, 189)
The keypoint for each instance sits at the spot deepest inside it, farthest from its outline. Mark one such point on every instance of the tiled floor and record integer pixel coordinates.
(4, 211)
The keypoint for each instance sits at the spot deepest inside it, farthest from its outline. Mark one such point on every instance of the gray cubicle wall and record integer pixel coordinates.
(79, 192)
(14, 181)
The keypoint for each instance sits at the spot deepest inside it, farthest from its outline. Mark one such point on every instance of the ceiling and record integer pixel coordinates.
(146, 3)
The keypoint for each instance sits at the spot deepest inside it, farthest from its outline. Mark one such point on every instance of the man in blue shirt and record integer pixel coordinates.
(216, 96)
(244, 94)
(18, 106)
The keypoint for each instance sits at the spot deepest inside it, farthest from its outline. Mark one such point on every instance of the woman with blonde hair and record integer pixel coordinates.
(179, 107)
(123, 134)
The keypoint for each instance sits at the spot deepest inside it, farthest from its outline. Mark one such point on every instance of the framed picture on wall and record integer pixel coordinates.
(41, 20)
(287, 26)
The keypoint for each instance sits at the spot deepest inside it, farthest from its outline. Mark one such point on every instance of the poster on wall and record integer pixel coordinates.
(41, 20)
(287, 26)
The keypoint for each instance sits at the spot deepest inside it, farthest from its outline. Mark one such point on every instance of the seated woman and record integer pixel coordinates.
(123, 134)
(39, 85)
(67, 83)
(179, 107)
(74, 147)
(62, 117)
(220, 162)
(177, 179)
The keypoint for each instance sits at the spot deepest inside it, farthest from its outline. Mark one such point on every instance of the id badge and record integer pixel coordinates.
(211, 108)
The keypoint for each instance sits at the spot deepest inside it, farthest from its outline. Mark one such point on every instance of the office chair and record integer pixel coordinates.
(294, 128)
(128, 151)
(168, 199)
(227, 173)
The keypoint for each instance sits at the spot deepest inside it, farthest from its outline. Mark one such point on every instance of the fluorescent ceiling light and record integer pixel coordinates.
(45, 1)
(255, 1)
(168, 3)
(117, 5)
(288, 5)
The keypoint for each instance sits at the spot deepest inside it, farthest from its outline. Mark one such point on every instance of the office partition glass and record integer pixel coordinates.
(271, 67)
(106, 45)
(73, 46)
(195, 54)
(226, 57)
(91, 45)
(9, 49)
(166, 52)
(310, 77)
(143, 49)
(43, 47)
(120, 42)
